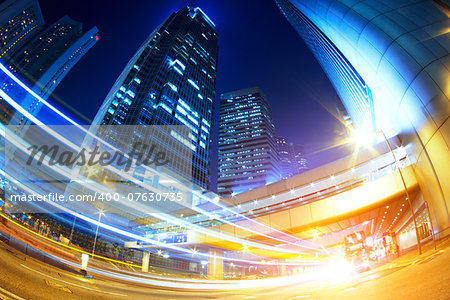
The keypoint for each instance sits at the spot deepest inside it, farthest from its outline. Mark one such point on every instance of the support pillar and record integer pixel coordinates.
(145, 261)
(215, 265)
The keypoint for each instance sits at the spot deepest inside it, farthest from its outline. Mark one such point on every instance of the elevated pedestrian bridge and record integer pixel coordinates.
(333, 198)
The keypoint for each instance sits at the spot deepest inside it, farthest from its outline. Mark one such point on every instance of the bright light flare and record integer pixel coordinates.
(338, 270)
(362, 139)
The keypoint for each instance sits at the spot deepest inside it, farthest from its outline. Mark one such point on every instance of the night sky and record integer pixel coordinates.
(257, 46)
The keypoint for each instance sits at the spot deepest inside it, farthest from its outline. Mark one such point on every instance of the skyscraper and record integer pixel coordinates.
(247, 144)
(292, 158)
(284, 154)
(19, 21)
(47, 59)
(298, 158)
(171, 80)
(353, 90)
(389, 62)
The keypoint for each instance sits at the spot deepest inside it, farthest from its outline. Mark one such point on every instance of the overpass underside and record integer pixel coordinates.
(361, 207)
(310, 212)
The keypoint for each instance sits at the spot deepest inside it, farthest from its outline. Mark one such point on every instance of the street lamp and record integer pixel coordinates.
(365, 140)
(75, 219)
(100, 214)
(73, 227)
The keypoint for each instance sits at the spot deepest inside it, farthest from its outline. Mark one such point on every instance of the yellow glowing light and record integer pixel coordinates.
(315, 233)
(361, 138)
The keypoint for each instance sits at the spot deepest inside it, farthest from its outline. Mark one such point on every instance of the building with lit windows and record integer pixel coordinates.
(298, 158)
(248, 155)
(292, 158)
(284, 154)
(171, 80)
(389, 63)
(19, 21)
(43, 62)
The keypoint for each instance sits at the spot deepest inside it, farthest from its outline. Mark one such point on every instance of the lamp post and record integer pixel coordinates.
(100, 213)
(75, 219)
(73, 227)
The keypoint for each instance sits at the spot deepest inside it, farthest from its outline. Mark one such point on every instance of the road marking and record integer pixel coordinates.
(57, 286)
(74, 284)
(9, 294)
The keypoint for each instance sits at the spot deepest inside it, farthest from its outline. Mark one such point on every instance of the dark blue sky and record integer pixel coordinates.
(257, 46)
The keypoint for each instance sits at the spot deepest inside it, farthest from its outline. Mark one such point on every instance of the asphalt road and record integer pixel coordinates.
(409, 277)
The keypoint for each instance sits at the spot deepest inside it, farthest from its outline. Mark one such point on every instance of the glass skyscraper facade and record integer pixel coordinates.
(248, 155)
(44, 61)
(284, 154)
(39, 55)
(345, 78)
(19, 21)
(292, 158)
(41, 59)
(171, 80)
(400, 53)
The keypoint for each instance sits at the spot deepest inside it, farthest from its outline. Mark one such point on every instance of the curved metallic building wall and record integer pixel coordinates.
(401, 50)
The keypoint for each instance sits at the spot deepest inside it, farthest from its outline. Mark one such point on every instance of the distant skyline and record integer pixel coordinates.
(257, 47)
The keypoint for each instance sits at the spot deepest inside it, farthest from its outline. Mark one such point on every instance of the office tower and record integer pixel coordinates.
(49, 56)
(247, 144)
(171, 80)
(292, 158)
(389, 62)
(284, 154)
(351, 87)
(298, 158)
(19, 21)
(43, 62)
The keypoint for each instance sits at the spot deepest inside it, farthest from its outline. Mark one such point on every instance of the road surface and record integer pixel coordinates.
(409, 277)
